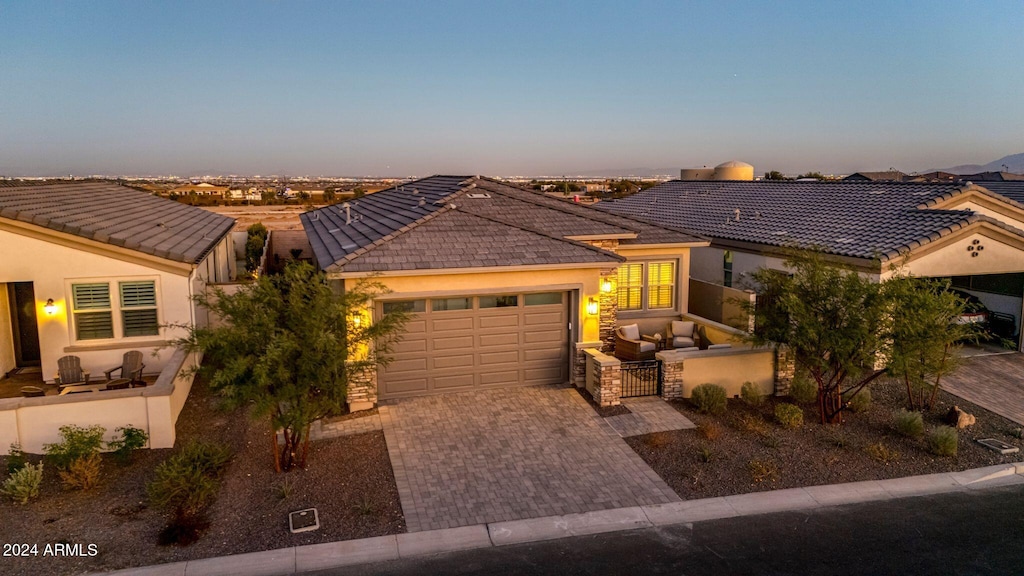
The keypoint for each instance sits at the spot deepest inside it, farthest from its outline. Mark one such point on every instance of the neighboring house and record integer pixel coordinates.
(886, 176)
(96, 269)
(961, 231)
(507, 286)
(201, 189)
(250, 194)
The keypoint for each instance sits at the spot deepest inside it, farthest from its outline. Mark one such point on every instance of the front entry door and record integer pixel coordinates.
(23, 323)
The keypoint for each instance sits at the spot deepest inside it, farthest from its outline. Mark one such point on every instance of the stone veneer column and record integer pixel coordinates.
(604, 378)
(785, 369)
(671, 365)
(608, 314)
(362, 390)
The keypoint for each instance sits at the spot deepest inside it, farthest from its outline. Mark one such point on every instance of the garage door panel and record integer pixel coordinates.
(543, 354)
(499, 378)
(508, 356)
(491, 340)
(453, 381)
(458, 361)
(407, 346)
(453, 350)
(534, 319)
(453, 343)
(506, 321)
(537, 336)
(410, 386)
(444, 324)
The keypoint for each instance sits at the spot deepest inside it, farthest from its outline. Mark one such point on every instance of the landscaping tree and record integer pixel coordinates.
(833, 321)
(290, 347)
(925, 334)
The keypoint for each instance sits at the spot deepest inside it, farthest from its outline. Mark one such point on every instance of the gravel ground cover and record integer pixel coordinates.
(349, 480)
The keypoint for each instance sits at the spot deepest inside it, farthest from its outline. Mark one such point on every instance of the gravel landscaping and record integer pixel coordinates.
(349, 480)
(751, 452)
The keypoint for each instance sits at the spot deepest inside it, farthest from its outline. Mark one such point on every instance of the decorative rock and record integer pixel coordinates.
(959, 418)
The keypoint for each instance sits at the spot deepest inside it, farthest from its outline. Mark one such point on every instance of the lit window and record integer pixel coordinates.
(631, 284)
(661, 283)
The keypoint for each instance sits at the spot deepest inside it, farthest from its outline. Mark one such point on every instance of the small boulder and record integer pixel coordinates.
(958, 418)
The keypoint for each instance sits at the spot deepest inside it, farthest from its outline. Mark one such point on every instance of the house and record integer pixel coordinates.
(250, 194)
(96, 269)
(884, 176)
(201, 189)
(508, 286)
(960, 231)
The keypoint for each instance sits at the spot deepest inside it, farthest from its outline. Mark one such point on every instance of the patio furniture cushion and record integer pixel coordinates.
(719, 346)
(646, 346)
(683, 328)
(630, 331)
(688, 349)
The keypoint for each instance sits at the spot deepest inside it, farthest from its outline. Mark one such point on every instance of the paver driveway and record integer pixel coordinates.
(508, 454)
(994, 381)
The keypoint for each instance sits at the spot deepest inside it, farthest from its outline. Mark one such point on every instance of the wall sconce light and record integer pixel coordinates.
(606, 286)
(592, 307)
(357, 320)
(50, 308)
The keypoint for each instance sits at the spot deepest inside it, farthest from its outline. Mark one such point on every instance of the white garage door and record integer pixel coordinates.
(472, 342)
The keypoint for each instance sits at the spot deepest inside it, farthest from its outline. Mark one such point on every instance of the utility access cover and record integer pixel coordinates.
(998, 446)
(303, 521)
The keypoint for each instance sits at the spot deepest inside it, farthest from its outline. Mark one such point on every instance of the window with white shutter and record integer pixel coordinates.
(92, 311)
(138, 308)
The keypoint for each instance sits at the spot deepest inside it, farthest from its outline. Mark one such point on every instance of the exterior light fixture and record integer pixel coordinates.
(50, 307)
(357, 320)
(592, 307)
(606, 286)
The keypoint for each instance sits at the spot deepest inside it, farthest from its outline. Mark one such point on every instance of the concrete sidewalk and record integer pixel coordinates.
(336, 554)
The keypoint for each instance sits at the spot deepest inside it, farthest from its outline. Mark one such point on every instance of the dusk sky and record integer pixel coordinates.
(517, 88)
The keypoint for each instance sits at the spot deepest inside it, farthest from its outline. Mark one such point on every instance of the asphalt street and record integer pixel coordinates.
(970, 532)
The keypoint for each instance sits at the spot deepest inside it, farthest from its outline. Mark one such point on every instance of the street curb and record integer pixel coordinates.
(299, 559)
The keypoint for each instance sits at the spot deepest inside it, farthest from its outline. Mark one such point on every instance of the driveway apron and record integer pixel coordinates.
(994, 382)
(508, 454)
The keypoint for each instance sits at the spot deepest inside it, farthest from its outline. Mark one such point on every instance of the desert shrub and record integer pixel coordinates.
(1017, 433)
(763, 471)
(908, 424)
(705, 454)
(836, 438)
(803, 389)
(709, 430)
(657, 439)
(709, 398)
(861, 401)
(769, 440)
(15, 458)
(185, 485)
(284, 489)
(82, 474)
(752, 423)
(943, 441)
(751, 394)
(255, 239)
(130, 440)
(76, 443)
(882, 453)
(23, 484)
(789, 415)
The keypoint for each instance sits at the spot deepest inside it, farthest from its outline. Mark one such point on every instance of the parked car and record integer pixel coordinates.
(975, 311)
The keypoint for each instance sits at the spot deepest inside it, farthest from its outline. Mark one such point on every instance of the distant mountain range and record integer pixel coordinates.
(1012, 163)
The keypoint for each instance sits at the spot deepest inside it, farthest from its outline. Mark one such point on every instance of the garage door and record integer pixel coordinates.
(474, 342)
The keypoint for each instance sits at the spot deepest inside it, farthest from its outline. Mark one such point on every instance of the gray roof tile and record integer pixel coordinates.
(119, 216)
(859, 219)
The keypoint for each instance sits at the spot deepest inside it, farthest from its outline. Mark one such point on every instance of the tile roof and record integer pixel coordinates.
(120, 216)
(525, 228)
(1012, 189)
(458, 239)
(859, 219)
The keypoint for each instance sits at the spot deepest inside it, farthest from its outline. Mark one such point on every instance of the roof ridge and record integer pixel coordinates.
(539, 233)
(407, 228)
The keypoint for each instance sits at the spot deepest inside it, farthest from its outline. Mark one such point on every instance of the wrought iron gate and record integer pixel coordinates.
(641, 378)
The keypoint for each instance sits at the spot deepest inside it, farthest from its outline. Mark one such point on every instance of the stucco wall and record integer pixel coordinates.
(728, 368)
(52, 269)
(35, 422)
(6, 335)
(954, 259)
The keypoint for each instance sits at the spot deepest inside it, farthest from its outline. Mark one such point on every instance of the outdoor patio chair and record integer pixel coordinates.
(70, 373)
(630, 345)
(129, 372)
(682, 334)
